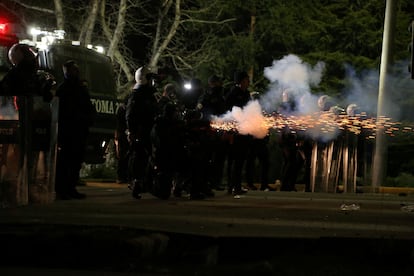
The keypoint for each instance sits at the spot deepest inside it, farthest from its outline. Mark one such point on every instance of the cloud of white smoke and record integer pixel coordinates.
(288, 74)
(295, 76)
(249, 119)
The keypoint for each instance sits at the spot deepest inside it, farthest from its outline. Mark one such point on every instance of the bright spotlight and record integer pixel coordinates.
(187, 86)
(100, 49)
(35, 31)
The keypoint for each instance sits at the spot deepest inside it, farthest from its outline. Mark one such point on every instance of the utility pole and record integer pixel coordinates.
(380, 158)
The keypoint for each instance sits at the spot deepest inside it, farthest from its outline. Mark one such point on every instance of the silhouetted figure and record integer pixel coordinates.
(238, 96)
(76, 115)
(122, 144)
(141, 110)
(198, 140)
(169, 157)
(258, 152)
(212, 103)
(289, 145)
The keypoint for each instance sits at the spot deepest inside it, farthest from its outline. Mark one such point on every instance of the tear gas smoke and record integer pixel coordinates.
(363, 87)
(288, 74)
(247, 120)
(293, 77)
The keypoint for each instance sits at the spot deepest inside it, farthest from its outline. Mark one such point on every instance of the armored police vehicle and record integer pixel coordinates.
(95, 68)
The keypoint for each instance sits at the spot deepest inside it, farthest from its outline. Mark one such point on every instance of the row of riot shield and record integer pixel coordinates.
(28, 147)
(342, 165)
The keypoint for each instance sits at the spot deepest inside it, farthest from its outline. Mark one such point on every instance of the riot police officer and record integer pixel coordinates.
(212, 103)
(238, 96)
(76, 115)
(141, 109)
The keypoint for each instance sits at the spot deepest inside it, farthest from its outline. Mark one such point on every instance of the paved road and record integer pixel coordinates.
(216, 229)
(256, 214)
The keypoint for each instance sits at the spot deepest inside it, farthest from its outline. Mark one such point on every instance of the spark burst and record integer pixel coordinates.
(323, 123)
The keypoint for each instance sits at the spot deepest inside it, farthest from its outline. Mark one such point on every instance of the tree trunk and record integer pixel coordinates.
(114, 38)
(85, 36)
(119, 30)
(157, 51)
(60, 18)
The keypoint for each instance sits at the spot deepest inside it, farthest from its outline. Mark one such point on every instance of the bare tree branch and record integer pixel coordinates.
(165, 33)
(162, 14)
(36, 8)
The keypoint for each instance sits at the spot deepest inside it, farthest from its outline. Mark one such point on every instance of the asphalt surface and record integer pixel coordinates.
(262, 233)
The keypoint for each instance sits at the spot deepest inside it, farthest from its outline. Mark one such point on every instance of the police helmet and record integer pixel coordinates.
(144, 74)
(352, 109)
(325, 103)
(21, 53)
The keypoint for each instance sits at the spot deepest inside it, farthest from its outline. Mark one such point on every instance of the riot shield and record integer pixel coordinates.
(28, 145)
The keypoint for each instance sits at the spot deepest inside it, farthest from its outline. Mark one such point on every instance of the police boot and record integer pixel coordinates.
(136, 189)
